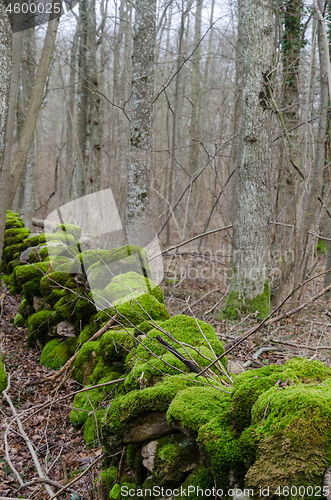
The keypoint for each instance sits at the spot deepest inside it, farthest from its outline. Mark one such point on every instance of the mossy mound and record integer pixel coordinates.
(125, 409)
(291, 428)
(15, 235)
(86, 361)
(134, 312)
(183, 329)
(55, 353)
(3, 378)
(86, 402)
(154, 369)
(39, 325)
(116, 345)
(128, 286)
(87, 332)
(18, 320)
(13, 220)
(53, 281)
(69, 229)
(29, 272)
(119, 261)
(249, 385)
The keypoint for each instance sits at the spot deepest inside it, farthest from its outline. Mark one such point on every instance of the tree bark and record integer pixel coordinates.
(141, 115)
(249, 280)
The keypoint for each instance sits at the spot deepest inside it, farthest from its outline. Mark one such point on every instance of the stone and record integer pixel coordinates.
(148, 452)
(235, 367)
(150, 426)
(65, 329)
(24, 257)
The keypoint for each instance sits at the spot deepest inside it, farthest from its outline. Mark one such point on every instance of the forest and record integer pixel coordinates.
(165, 228)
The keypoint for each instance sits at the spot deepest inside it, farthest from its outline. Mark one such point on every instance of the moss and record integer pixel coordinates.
(31, 241)
(249, 385)
(116, 490)
(9, 252)
(3, 378)
(153, 370)
(84, 309)
(118, 261)
(86, 361)
(236, 304)
(28, 272)
(87, 332)
(92, 256)
(145, 327)
(83, 404)
(69, 229)
(55, 353)
(63, 310)
(125, 287)
(292, 426)
(11, 266)
(102, 371)
(220, 448)
(174, 455)
(183, 329)
(31, 289)
(322, 247)
(200, 477)
(55, 296)
(115, 345)
(15, 235)
(134, 312)
(93, 428)
(195, 406)
(13, 222)
(66, 238)
(108, 477)
(7, 279)
(126, 408)
(39, 325)
(18, 320)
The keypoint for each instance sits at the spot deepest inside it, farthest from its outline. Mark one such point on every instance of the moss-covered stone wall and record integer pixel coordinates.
(270, 427)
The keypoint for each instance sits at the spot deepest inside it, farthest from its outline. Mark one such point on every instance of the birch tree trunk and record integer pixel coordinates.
(249, 289)
(141, 115)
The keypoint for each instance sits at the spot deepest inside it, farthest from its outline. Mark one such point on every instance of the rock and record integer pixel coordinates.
(235, 367)
(65, 329)
(24, 257)
(152, 426)
(148, 452)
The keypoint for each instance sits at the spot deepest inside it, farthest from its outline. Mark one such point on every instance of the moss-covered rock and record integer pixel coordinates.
(86, 361)
(108, 477)
(28, 272)
(53, 281)
(128, 286)
(134, 312)
(15, 235)
(55, 296)
(249, 385)
(292, 429)
(55, 353)
(124, 410)
(9, 252)
(116, 345)
(68, 229)
(18, 320)
(87, 332)
(39, 325)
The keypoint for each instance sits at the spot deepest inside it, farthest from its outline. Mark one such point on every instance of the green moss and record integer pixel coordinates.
(28, 272)
(39, 325)
(134, 312)
(84, 309)
(86, 361)
(237, 304)
(174, 455)
(31, 241)
(115, 345)
(93, 427)
(69, 229)
(116, 490)
(55, 296)
(13, 222)
(108, 477)
(292, 426)
(126, 408)
(3, 378)
(55, 353)
(118, 261)
(25, 309)
(126, 287)
(31, 289)
(153, 370)
(195, 406)
(322, 247)
(102, 371)
(220, 448)
(9, 252)
(200, 477)
(18, 320)
(145, 327)
(249, 385)
(92, 256)
(15, 235)
(183, 329)
(87, 332)
(83, 404)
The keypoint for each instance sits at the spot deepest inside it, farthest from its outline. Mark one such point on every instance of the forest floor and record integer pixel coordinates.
(60, 447)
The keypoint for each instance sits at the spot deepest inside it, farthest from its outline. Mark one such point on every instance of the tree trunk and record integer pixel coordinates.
(141, 115)
(6, 138)
(315, 181)
(249, 289)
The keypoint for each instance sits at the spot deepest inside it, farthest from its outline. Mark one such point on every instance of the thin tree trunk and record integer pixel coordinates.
(141, 116)
(249, 281)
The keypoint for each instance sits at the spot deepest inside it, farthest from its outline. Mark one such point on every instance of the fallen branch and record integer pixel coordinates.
(179, 356)
(46, 481)
(70, 361)
(41, 473)
(192, 239)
